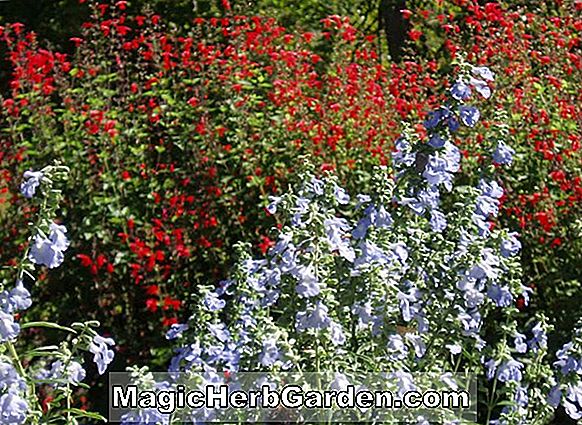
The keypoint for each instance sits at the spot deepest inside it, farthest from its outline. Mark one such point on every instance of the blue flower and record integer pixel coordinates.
(102, 355)
(9, 378)
(438, 221)
(469, 115)
(74, 372)
(521, 397)
(500, 295)
(460, 90)
(219, 331)
(436, 141)
(337, 334)
(176, 331)
(435, 171)
(31, 183)
(417, 343)
(483, 72)
(403, 155)
(316, 318)
(540, 339)
(555, 396)
(491, 366)
(308, 285)
(17, 299)
(481, 86)
(336, 229)
(503, 155)
(510, 371)
(572, 401)
(487, 266)
(341, 195)
(9, 329)
(48, 251)
(212, 302)
(566, 361)
(510, 246)
(519, 342)
(396, 347)
(270, 353)
(433, 119)
(13, 409)
(404, 382)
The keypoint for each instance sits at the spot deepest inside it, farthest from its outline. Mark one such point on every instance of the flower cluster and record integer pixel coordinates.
(404, 279)
(52, 369)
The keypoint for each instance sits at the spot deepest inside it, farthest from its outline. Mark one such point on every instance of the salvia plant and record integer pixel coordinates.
(57, 369)
(411, 277)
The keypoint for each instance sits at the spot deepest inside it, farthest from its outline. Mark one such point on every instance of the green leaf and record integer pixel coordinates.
(47, 325)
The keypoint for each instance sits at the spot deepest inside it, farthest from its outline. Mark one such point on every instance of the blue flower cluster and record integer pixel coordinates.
(17, 383)
(410, 277)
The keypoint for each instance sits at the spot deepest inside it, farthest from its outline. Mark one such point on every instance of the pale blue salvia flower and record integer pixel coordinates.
(31, 183)
(176, 331)
(341, 195)
(460, 90)
(404, 382)
(491, 366)
(572, 401)
(316, 318)
(9, 378)
(396, 347)
(433, 119)
(336, 230)
(417, 343)
(435, 171)
(501, 295)
(17, 299)
(43, 252)
(566, 361)
(102, 355)
(539, 340)
(337, 334)
(436, 141)
(58, 237)
(212, 302)
(307, 285)
(510, 246)
(13, 409)
(454, 348)
(438, 221)
(316, 186)
(403, 156)
(555, 396)
(48, 251)
(270, 353)
(74, 372)
(469, 115)
(219, 331)
(510, 371)
(520, 397)
(503, 154)
(519, 342)
(9, 329)
(481, 87)
(487, 266)
(483, 72)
